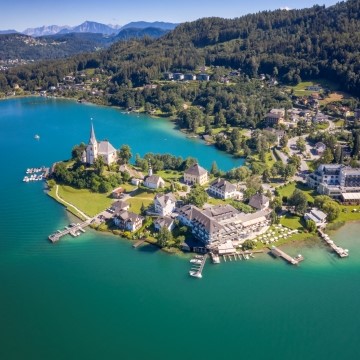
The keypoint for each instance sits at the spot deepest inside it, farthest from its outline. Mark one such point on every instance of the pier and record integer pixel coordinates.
(72, 229)
(36, 174)
(138, 243)
(337, 249)
(279, 253)
(198, 268)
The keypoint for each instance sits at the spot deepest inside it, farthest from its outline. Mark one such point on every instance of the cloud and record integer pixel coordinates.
(287, 8)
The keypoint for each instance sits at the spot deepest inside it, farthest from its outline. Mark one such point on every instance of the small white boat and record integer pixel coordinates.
(37, 137)
(195, 274)
(195, 261)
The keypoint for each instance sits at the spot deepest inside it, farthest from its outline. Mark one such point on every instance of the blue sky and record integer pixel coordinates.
(22, 14)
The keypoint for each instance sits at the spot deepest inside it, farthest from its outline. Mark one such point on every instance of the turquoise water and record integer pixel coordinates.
(95, 297)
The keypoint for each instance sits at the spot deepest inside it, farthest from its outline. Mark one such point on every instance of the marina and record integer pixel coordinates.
(291, 260)
(198, 266)
(337, 249)
(36, 174)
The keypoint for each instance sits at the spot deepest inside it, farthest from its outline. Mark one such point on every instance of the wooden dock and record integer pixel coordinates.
(337, 249)
(197, 271)
(279, 253)
(138, 243)
(73, 230)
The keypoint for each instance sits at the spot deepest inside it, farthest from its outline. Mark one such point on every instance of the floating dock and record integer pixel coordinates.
(292, 260)
(337, 249)
(138, 243)
(197, 270)
(72, 229)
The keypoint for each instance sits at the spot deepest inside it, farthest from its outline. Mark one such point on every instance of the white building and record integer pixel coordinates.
(317, 216)
(95, 149)
(196, 175)
(222, 189)
(164, 204)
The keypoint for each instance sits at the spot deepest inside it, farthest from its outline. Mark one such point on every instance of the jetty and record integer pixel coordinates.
(291, 260)
(138, 243)
(73, 230)
(198, 268)
(36, 174)
(337, 249)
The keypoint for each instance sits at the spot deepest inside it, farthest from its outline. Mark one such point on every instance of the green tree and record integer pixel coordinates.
(124, 154)
(298, 200)
(332, 209)
(310, 225)
(300, 144)
(164, 237)
(214, 168)
(197, 196)
(284, 141)
(248, 245)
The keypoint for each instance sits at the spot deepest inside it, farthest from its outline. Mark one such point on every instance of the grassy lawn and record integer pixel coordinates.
(292, 222)
(88, 202)
(339, 123)
(141, 197)
(170, 175)
(288, 189)
(346, 213)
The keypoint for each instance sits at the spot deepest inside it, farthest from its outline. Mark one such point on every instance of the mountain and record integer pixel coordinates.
(89, 27)
(44, 30)
(136, 33)
(8, 32)
(20, 46)
(144, 24)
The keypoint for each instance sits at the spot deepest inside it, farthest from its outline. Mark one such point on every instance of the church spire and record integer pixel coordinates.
(92, 139)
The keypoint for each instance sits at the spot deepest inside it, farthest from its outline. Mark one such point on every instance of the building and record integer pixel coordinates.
(118, 193)
(221, 223)
(203, 77)
(127, 220)
(319, 148)
(178, 76)
(153, 181)
(317, 216)
(222, 189)
(164, 222)
(275, 117)
(164, 204)
(95, 149)
(119, 206)
(196, 175)
(259, 202)
(357, 114)
(335, 180)
(189, 77)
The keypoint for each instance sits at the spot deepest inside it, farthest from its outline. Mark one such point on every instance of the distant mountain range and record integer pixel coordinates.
(92, 27)
(61, 45)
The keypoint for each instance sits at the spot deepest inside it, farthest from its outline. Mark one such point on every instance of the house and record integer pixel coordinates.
(319, 118)
(259, 202)
(314, 88)
(178, 76)
(196, 175)
(317, 216)
(96, 148)
(129, 221)
(222, 189)
(319, 148)
(275, 117)
(119, 206)
(136, 182)
(164, 204)
(203, 77)
(189, 77)
(118, 193)
(164, 222)
(168, 76)
(154, 182)
(335, 180)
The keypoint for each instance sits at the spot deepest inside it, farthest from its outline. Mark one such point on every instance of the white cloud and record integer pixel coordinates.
(287, 8)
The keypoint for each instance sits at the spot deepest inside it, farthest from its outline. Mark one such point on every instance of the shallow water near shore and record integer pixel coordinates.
(95, 297)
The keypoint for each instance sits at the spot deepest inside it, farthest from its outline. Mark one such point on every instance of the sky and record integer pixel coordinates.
(22, 14)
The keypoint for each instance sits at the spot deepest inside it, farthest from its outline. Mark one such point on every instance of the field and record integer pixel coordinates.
(289, 189)
(141, 197)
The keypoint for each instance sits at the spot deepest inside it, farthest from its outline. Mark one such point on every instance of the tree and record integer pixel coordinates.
(300, 144)
(332, 209)
(214, 168)
(298, 200)
(248, 245)
(197, 196)
(295, 160)
(327, 157)
(124, 154)
(142, 209)
(276, 204)
(99, 165)
(164, 236)
(77, 151)
(310, 225)
(284, 141)
(51, 183)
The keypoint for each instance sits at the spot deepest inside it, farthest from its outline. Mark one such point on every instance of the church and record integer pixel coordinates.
(95, 149)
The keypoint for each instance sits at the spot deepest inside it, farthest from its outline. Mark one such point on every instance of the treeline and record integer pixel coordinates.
(292, 45)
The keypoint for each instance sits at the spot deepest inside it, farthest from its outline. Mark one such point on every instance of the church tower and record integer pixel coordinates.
(92, 148)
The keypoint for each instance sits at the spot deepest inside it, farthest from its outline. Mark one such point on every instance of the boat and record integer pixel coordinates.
(26, 179)
(37, 137)
(195, 261)
(195, 274)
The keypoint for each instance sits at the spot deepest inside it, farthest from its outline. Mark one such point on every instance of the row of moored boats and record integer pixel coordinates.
(33, 177)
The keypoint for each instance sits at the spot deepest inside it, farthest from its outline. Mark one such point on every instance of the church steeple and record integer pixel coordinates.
(92, 139)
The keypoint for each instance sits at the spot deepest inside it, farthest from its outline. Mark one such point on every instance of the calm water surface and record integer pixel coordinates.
(95, 297)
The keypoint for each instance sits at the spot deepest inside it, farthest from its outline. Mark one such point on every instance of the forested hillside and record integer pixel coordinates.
(292, 45)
